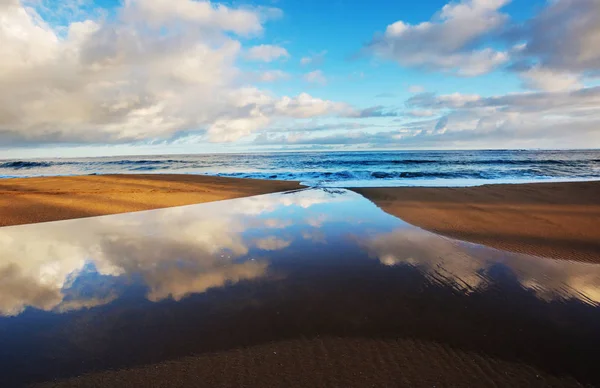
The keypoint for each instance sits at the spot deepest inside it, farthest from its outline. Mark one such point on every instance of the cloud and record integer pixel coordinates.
(273, 76)
(416, 89)
(421, 113)
(199, 14)
(534, 119)
(156, 71)
(272, 243)
(314, 59)
(558, 47)
(312, 126)
(553, 50)
(266, 53)
(548, 80)
(374, 111)
(563, 37)
(519, 120)
(315, 77)
(449, 41)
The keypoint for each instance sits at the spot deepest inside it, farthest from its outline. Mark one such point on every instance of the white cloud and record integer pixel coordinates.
(519, 120)
(315, 77)
(446, 42)
(266, 53)
(554, 50)
(156, 70)
(200, 14)
(549, 80)
(259, 110)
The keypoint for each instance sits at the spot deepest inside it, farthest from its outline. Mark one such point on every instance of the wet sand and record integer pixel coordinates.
(31, 200)
(328, 362)
(557, 220)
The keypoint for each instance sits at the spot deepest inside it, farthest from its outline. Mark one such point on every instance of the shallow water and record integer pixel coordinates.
(119, 291)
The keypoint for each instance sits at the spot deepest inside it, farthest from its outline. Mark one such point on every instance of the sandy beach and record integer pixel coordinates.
(31, 200)
(557, 220)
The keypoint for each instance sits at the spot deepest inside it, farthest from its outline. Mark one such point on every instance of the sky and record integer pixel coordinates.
(110, 77)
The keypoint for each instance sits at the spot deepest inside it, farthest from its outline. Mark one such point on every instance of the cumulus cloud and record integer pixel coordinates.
(447, 41)
(554, 50)
(266, 53)
(156, 70)
(315, 77)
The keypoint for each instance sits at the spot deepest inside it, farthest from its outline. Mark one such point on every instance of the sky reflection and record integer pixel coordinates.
(139, 288)
(181, 251)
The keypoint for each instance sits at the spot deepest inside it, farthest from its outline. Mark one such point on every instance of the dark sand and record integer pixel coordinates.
(329, 362)
(30, 200)
(557, 220)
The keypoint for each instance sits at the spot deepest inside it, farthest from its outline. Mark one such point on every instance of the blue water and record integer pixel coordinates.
(341, 169)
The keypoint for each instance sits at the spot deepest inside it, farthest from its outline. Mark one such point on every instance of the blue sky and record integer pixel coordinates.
(106, 77)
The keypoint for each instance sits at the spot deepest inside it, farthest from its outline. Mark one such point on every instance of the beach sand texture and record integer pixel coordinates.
(557, 220)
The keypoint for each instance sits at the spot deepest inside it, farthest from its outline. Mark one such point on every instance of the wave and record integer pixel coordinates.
(145, 161)
(446, 161)
(22, 164)
(426, 174)
(329, 176)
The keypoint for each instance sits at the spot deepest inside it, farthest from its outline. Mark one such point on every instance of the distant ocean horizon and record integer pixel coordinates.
(340, 169)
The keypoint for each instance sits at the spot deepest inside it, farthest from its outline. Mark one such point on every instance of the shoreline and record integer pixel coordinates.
(554, 220)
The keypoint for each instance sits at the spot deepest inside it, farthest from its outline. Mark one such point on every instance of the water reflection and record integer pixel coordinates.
(176, 251)
(249, 271)
(467, 267)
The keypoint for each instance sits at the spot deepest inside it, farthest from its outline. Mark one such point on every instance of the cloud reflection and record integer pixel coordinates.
(78, 264)
(466, 267)
(177, 251)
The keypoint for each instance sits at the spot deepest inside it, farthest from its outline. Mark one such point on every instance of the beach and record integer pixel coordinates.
(315, 287)
(31, 200)
(556, 220)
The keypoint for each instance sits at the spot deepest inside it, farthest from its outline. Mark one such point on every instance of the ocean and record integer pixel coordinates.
(340, 169)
